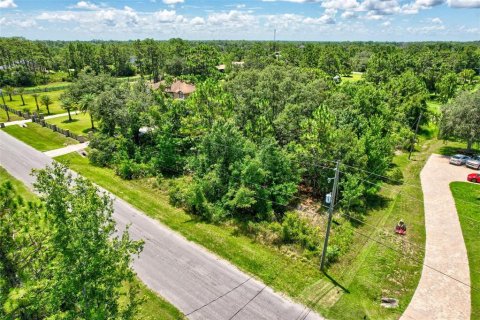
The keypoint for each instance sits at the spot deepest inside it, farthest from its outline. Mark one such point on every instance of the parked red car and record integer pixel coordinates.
(474, 177)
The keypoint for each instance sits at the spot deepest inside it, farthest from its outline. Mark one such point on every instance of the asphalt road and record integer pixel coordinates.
(200, 284)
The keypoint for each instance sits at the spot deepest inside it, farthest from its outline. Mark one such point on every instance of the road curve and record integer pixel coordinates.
(200, 284)
(439, 296)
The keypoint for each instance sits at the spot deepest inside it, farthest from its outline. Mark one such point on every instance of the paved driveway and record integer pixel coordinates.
(438, 296)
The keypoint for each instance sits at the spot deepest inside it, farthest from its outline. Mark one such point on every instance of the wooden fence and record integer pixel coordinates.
(25, 115)
(55, 128)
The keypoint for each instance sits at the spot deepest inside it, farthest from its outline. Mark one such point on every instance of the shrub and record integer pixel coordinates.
(395, 176)
(333, 252)
(99, 158)
(297, 230)
(128, 169)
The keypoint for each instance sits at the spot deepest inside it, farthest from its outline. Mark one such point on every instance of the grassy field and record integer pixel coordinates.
(79, 125)
(55, 107)
(153, 306)
(467, 199)
(40, 138)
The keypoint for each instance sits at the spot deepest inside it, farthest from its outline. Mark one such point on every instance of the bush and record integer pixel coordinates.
(103, 149)
(128, 169)
(99, 158)
(297, 230)
(395, 176)
(333, 252)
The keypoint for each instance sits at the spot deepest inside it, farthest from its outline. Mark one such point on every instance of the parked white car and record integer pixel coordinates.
(474, 163)
(459, 159)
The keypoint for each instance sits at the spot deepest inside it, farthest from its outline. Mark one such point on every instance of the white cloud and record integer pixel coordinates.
(325, 19)
(426, 29)
(165, 16)
(386, 24)
(197, 21)
(348, 15)
(373, 15)
(464, 3)
(173, 1)
(233, 18)
(85, 5)
(18, 23)
(437, 20)
(340, 4)
(57, 16)
(4, 4)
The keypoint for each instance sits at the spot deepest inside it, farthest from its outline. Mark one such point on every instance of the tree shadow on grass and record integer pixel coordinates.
(68, 121)
(451, 150)
(88, 130)
(335, 282)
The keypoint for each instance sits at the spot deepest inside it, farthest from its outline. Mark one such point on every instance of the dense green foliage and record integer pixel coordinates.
(61, 257)
(461, 118)
(257, 139)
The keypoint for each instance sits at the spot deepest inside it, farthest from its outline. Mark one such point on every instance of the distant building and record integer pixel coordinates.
(234, 64)
(238, 63)
(180, 89)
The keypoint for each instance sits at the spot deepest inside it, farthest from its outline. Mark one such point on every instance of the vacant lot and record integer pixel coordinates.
(282, 272)
(40, 138)
(467, 201)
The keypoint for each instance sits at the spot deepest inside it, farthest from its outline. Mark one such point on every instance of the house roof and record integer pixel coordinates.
(180, 86)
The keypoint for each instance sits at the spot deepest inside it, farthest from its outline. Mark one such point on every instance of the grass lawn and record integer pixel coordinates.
(79, 125)
(355, 76)
(55, 107)
(38, 137)
(3, 116)
(467, 199)
(153, 306)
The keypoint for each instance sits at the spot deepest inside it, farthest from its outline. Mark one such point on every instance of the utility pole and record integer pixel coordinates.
(330, 214)
(275, 42)
(415, 136)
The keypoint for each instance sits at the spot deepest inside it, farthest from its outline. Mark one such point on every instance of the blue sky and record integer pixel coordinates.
(313, 20)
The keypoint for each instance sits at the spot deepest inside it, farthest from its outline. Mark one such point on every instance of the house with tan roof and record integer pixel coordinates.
(178, 89)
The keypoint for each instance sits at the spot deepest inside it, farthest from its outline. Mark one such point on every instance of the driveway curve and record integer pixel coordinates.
(444, 288)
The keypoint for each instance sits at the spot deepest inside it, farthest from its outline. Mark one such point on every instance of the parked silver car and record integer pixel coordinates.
(474, 163)
(459, 159)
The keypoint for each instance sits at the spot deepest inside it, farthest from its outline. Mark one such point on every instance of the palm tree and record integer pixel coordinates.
(68, 105)
(35, 96)
(9, 90)
(46, 101)
(85, 105)
(20, 92)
